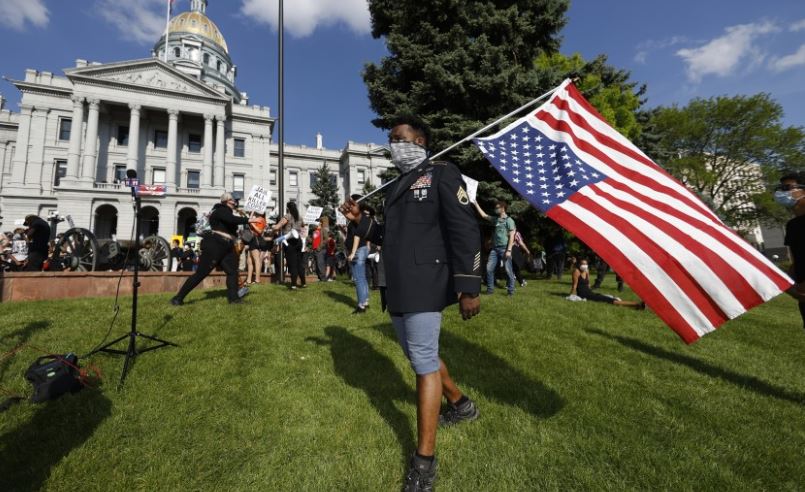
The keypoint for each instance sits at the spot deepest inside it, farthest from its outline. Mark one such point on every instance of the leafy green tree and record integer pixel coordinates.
(729, 150)
(326, 191)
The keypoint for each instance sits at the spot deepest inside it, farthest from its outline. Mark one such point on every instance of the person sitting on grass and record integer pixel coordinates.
(581, 288)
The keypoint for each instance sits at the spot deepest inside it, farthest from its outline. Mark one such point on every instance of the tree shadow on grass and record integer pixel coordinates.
(472, 365)
(30, 451)
(361, 366)
(341, 298)
(16, 339)
(750, 383)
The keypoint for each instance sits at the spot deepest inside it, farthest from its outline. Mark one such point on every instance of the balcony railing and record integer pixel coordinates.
(108, 186)
(188, 191)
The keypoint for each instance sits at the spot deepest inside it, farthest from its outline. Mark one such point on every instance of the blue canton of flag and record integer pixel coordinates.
(544, 171)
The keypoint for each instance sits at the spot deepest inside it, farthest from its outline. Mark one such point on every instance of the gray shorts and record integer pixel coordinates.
(418, 334)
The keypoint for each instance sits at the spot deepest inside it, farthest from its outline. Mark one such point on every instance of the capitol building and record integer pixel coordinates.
(177, 118)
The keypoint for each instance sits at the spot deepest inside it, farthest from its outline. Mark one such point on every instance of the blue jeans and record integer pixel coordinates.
(359, 275)
(495, 256)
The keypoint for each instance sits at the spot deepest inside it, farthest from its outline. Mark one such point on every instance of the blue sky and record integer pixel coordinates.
(681, 49)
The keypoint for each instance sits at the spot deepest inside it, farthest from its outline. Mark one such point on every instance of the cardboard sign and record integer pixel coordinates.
(472, 188)
(312, 214)
(258, 200)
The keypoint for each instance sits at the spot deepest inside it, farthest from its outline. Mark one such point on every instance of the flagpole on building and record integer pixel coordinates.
(281, 133)
(470, 137)
(167, 28)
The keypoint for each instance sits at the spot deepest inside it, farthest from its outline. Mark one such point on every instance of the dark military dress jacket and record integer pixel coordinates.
(431, 240)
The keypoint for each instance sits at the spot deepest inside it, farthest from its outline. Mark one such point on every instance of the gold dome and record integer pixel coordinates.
(198, 23)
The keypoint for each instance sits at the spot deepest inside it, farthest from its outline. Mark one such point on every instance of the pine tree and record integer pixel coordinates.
(326, 191)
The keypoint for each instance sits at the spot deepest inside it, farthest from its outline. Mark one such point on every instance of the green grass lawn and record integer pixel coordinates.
(291, 392)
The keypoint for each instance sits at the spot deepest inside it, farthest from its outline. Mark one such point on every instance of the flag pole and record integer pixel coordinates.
(281, 139)
(167, 28)
(470, 137)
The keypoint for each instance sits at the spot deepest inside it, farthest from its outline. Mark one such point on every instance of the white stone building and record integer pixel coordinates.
(180, 122)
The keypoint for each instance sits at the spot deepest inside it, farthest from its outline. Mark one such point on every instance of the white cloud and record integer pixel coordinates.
(646, 47)
(16, 13)
(302, 17)
(789, 61)
(142, 21)
(797, 26)
(722, 55)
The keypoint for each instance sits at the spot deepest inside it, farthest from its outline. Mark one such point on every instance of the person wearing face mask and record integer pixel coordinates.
(581, 288)
(431, 259)
(790, 194)
(502, 245)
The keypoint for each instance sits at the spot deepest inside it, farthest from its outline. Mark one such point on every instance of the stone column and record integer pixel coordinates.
(170, 161)
(133, 154)
(91, 143)
(220, 153)
(76, 129)
(21, 151)
(206, 170)
(36, 172)
(3, 153)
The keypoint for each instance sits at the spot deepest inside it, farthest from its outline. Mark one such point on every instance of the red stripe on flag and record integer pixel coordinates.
(644, 287)
(590, 148)
(678, 274)
(735, 283)
(615, 145)
(719, 233)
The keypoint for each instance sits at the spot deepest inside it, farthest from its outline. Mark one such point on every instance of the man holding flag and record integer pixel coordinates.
(432, 259)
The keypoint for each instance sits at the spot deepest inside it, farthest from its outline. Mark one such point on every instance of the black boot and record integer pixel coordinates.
(421, 475)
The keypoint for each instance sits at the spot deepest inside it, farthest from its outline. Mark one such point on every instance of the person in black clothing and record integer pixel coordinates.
(188, 259)
(603, 269)
(292, 224)
(176, 257)
(217, 249)
(581, 288)
(432, 259)
(39, 234)
(790, 194)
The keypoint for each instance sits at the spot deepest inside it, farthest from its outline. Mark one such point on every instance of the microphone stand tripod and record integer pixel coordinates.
(132, 351)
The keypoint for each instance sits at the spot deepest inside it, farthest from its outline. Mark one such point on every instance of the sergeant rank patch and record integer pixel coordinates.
(463, 197)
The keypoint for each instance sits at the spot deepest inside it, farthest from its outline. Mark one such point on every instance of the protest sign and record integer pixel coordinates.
(312, 214)
(258, 200)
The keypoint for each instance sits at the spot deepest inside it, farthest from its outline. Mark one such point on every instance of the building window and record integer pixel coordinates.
(177, 52)
(158, 176)
(193, 180)
(206, 58)
(238, 185)
(120, 173)
(160, 139)
(65, 126)
(293, 179)
(122, 135)
(194, 144)
(361, 176)
(240, 147)
(219, 65)
(61, 171)
(314, 179)
(272, 177)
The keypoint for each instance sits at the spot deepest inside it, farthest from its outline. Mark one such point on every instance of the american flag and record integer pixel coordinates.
(675, 253)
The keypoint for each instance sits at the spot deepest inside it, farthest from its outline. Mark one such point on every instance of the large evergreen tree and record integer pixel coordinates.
(459, 63)
(326, 191)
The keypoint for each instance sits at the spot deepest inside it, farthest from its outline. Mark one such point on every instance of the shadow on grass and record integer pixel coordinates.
(475, 366)
(361, 366)
(16, 339)
(343, 299)
(750, 383)
(30, 451)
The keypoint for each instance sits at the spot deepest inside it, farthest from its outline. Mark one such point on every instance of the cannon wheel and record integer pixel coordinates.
(155, 254)
(78, 248)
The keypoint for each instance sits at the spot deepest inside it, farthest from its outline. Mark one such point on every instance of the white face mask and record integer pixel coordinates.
(407, 155)
(584, 268)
